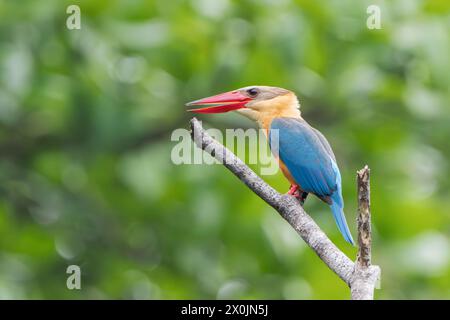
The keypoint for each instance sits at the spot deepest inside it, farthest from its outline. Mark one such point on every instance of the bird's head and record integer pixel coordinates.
(254, 102)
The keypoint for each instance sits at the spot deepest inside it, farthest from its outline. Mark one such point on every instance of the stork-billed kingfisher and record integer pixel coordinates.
(305, 156)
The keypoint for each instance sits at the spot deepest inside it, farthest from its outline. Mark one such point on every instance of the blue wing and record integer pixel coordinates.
(311, 162)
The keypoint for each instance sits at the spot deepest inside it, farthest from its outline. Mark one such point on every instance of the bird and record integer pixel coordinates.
(304, 154)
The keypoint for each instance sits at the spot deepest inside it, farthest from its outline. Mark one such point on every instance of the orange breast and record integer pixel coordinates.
(280, 110)
(286, 172)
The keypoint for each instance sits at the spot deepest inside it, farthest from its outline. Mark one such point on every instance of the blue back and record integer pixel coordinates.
(305, 155)
(311, 162)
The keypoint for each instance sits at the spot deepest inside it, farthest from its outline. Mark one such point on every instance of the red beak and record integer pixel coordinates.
(220, 103)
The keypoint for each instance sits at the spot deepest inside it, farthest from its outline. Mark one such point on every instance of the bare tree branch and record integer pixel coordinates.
(291, 210)
(364, 228)
(366, 276)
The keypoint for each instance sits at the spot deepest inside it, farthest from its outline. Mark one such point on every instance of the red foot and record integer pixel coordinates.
(294, 190)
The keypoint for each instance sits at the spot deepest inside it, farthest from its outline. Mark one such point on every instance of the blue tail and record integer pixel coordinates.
(339, 217)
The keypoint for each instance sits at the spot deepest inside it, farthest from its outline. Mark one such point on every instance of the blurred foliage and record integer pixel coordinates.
(86, 118)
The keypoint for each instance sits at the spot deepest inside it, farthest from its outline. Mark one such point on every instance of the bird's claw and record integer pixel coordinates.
(295, 191)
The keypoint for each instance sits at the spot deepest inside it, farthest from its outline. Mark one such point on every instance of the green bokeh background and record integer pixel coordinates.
(86, 118)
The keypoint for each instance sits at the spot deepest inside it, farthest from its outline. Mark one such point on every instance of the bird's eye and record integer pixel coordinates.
(252, 92)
